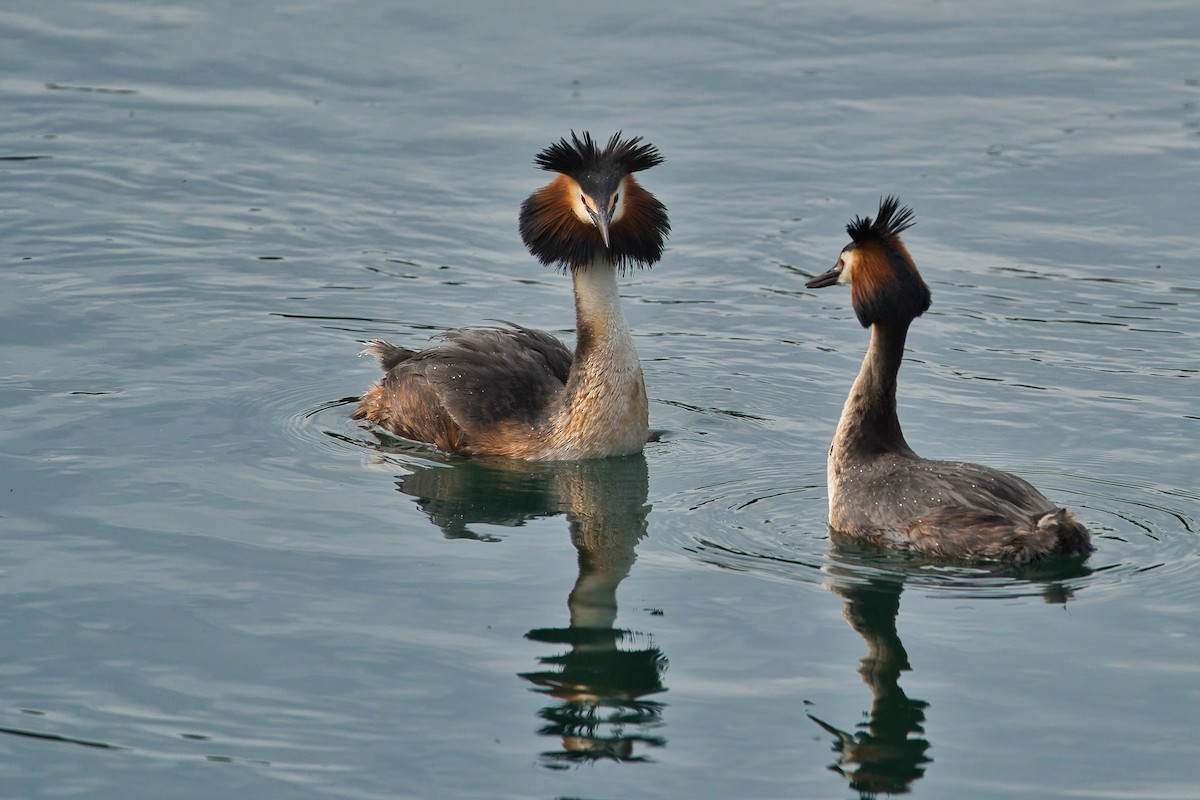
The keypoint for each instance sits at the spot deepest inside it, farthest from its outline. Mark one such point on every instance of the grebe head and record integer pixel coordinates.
(885, 285)
(595, 206)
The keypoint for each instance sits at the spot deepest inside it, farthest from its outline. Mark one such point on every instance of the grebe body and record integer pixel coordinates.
(512, 391)
(880, 490)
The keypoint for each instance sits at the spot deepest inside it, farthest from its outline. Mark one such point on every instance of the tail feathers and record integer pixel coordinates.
(1053, 533)
(1071, 535)
(389, 355)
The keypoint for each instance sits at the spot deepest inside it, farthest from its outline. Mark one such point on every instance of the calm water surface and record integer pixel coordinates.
(213, 583)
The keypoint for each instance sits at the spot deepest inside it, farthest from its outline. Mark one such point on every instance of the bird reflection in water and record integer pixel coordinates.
(888, 751)
(599, 684)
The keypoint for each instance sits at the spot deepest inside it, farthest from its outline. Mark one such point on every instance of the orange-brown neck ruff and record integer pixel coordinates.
(556, 236)
(638, 236)
(885, 287)
(552, 232)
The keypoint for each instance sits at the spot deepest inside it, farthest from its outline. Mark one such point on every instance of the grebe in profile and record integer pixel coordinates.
(511, 391)
(879, 489)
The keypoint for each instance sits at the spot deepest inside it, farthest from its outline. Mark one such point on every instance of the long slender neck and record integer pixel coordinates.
(869, 425)
(599, 321)
(604, 409)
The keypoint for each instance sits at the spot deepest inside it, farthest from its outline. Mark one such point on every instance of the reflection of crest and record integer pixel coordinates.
(600, 689)
(598, 684)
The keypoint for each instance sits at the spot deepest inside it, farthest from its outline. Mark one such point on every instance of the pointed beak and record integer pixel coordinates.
(825, 279)
(600, 220)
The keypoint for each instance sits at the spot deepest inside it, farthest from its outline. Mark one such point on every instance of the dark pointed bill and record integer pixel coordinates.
(825, 279)
(601, 221)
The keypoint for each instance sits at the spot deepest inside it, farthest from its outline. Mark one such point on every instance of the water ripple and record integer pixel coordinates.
(1146, 538)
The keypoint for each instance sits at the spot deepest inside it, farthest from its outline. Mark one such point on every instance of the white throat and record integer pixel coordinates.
(598, 298)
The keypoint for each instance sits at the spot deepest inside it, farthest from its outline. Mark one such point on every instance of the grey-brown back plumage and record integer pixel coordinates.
(954, 509)
(469, 379)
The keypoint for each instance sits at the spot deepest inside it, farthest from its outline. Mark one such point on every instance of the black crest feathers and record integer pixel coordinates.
(892, 220)
(581, 156)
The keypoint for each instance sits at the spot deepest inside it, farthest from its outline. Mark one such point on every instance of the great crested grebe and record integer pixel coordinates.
(879, 489)
(512, 391)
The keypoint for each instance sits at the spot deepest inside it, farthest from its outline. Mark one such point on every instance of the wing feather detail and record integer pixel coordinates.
(469, 381)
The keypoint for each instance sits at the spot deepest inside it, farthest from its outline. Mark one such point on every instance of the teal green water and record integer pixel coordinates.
(213, 582)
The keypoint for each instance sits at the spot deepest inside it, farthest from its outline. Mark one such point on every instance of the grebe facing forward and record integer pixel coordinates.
(879, 489)
(511, 391)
